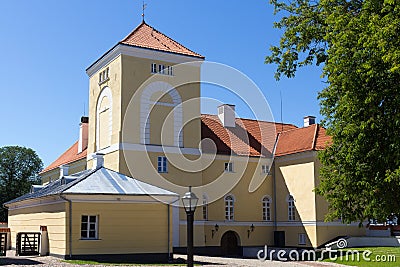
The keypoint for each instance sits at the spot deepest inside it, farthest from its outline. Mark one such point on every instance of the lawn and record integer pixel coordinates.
(370, 256)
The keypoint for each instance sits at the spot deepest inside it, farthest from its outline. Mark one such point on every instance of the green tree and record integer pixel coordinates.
(357, 43)
(19, 168)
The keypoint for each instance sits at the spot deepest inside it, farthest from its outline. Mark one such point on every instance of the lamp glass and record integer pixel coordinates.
(190, 201)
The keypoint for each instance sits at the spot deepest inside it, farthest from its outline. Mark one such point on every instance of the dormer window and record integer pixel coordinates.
(103, 76)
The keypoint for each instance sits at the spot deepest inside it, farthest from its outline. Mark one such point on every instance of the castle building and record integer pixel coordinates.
(115, 191)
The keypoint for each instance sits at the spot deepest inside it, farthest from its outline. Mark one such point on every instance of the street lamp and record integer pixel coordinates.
(189, 201)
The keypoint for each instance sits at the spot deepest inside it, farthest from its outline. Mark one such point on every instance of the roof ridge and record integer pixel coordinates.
(249, 119)
(172, 39)
(79, 179)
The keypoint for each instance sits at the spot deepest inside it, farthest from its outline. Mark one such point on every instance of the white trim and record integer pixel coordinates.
(105, 92)
(148, 148)
(17, 206)
(121, 49)
(268, 223)
(115, 198)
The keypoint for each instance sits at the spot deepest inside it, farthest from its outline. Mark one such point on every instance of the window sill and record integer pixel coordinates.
(106, 80)
(89, 239)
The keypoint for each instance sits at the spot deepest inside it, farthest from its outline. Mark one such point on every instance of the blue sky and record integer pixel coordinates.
(46, 46)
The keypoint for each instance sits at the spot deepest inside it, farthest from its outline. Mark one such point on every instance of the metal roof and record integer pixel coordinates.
(99, 181)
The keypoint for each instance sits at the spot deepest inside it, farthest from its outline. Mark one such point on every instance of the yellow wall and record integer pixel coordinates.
(74, 167)
(30, 219)
(123, 228)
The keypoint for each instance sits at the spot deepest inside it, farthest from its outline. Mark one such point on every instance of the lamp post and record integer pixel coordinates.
(189, 201)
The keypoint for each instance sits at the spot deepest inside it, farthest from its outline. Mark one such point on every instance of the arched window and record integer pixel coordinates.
(266, 208)
(161, 115)
(104, 119)
(229, 208)
(291, 208)
(205, 208)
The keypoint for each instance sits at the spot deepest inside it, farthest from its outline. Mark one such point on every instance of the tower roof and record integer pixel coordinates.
(146, 36)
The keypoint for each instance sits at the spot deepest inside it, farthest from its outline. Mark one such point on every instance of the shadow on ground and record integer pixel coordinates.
(14, 261)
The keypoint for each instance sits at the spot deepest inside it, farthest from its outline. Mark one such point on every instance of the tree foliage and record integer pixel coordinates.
(19, 168)
(358, 44)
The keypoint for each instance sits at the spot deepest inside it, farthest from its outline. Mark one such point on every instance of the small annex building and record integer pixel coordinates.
(97, 213)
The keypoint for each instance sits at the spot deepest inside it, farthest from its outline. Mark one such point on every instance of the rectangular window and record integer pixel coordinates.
(162, 164)
(89, 227)
(169, 71)
(302, 239)
(103, 76)
(153, 68)
(291, 211)
(161, 69)
(264, 168)
(228, 166)
(205, 210)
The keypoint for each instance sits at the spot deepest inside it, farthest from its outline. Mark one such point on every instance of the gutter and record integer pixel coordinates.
(70, 224)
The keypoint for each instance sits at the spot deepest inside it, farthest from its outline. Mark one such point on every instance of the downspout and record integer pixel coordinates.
(70, 224)
(274, 183)
(169, 226)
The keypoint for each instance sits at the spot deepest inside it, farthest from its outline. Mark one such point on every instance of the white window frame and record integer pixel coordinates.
(162, 164)
(170, 71)
(229, 207)
(205, 208)
(153, 68)
(228, 166)
(88, 224)
(161, 69)
(104, 75)
(266, 208)
(264, 168)
(302, 239)
(291, 208)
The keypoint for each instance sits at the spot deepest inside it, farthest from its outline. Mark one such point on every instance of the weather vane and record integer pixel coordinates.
(143, 8)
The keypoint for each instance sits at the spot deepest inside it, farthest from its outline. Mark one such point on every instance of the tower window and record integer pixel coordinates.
(104, 75)
(264, 168)
(153, 68)
(228, 167)
(161, 69)
(205, 208)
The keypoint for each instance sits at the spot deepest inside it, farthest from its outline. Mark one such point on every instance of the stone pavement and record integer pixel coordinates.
(48, 261)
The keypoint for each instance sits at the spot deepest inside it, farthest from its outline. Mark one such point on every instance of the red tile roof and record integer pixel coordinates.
(309, 138)
(249, 137)
(146, 36)
(69, 156)
(246, 138)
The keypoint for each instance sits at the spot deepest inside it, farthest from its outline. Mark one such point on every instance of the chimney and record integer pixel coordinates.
(83, 134)
(63, 170)
(98, 161)
(309, 120)
(226, 114)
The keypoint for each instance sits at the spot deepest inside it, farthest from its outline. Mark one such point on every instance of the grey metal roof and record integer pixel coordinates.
(99, 181)
(106, 181)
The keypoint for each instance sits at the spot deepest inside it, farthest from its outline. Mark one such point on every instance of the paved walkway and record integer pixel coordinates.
(48, 261)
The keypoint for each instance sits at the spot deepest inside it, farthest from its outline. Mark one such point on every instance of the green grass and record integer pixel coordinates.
(377, 255)
(83, 262)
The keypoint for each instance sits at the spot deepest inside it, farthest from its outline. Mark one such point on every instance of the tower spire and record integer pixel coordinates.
(143, 8)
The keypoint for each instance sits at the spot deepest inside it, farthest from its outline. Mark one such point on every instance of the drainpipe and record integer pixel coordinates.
(274, 182)
(169, 237)
(70, 224)
(169, 226)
